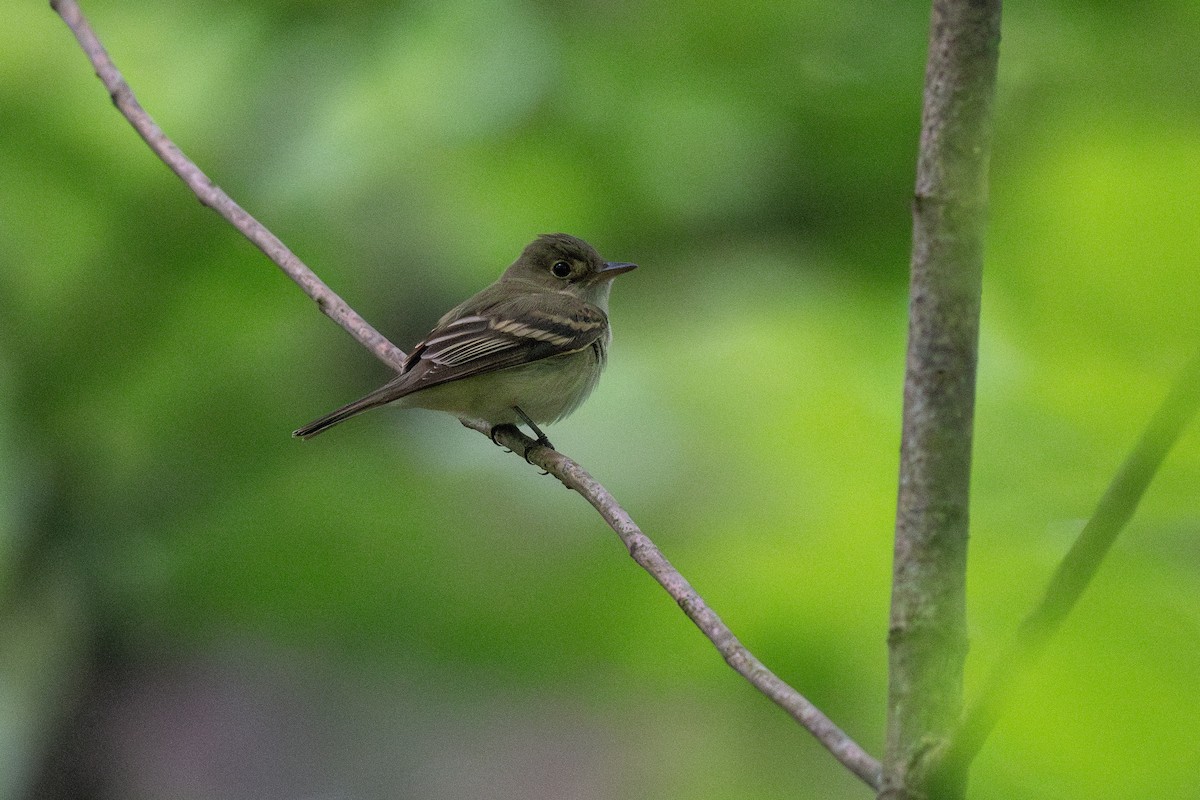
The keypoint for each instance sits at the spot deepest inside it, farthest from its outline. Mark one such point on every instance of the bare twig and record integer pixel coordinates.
(640, 547)
(927, 634)
(212, 196)
(1081, 563)
(651, 559)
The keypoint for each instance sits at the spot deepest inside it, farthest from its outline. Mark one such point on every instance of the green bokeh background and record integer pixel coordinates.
(195, 605)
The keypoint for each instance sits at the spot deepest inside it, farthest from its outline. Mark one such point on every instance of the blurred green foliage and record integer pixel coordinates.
(756, 159)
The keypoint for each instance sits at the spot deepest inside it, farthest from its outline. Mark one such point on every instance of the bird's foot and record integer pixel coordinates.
(542, 440)
(494, 432)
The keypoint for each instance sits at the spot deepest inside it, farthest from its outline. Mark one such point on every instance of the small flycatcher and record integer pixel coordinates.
(529, 348)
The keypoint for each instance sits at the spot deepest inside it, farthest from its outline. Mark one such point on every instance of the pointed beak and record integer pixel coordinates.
(612, 269)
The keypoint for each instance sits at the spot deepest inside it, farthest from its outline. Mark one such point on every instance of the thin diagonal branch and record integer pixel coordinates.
(651, 559)
(212, 195)
(640, 547)
(1081, 563)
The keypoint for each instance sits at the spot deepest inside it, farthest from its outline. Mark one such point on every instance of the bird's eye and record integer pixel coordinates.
(561, 269)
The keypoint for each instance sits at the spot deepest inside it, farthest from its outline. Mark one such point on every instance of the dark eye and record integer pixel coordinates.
(561, 269)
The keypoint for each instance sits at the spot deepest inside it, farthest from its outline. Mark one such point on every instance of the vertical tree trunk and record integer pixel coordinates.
(927, 635)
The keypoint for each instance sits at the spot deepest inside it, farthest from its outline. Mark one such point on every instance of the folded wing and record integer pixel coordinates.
(518, 331)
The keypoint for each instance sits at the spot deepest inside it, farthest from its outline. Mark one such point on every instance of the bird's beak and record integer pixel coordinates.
(612, 269)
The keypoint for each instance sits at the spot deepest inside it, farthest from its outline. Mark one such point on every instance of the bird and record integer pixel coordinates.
(527, 349)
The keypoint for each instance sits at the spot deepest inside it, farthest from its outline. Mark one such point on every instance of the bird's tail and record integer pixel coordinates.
(377, 398)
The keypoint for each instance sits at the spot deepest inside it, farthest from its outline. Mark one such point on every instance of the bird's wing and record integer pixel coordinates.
(512, 332)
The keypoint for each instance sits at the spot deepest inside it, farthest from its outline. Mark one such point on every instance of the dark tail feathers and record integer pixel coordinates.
(340, 415)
